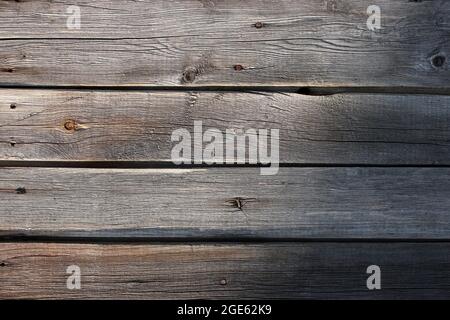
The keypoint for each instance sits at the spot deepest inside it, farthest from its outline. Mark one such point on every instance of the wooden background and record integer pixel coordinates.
(86, 176)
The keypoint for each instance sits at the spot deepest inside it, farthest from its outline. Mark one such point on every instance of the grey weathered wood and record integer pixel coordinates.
(298, 203)
(224, 44)
(133, 125)
(258, 271)
(192, 42)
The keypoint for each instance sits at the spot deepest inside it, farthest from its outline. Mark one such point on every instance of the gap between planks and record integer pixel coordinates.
(307, 91)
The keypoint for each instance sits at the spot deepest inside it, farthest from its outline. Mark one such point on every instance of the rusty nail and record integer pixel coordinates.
(259, 25)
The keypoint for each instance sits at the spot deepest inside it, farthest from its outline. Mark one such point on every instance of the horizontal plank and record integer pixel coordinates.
(137, 126)
(222, 43)
(226, 203)
(257, 271)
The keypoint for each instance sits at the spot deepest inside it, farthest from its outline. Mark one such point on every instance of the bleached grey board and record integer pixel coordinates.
(226, 203)
(225, 43)
(74, 125)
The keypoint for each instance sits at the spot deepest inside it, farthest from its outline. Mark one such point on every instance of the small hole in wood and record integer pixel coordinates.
(2, 264)
(223, 282)
(12, 143)
(13, 106)
(238, 67)
(21, 190)
(259, 25)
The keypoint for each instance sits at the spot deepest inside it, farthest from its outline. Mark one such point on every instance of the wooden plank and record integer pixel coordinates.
(137, 126)
(222, 43)
(213, 271)
(298, 203)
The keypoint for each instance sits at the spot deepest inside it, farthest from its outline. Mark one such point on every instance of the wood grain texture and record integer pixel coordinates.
(233, 271)
(137, 126)
(225, 43)
(298, 203)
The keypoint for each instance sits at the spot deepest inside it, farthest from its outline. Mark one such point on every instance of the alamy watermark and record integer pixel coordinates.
(74, 18)
(374, 21)
(74, 280)
(254, 146)
(374, 280)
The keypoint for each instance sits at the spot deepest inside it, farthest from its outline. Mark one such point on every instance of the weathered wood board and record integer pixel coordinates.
(213, 271)
(137, 126)
(225, 43)
(86, 172)
(298, 203)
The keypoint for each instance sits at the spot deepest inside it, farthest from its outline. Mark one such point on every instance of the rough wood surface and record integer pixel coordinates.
(236, 224)
(133, 125)
(217, 43)
(258, 271)
(298, 203)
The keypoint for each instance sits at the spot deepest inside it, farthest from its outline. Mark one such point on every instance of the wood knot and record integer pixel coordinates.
(21, 190)
(189, 75)
(238, 67)
(70, 125)
(438, 61)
